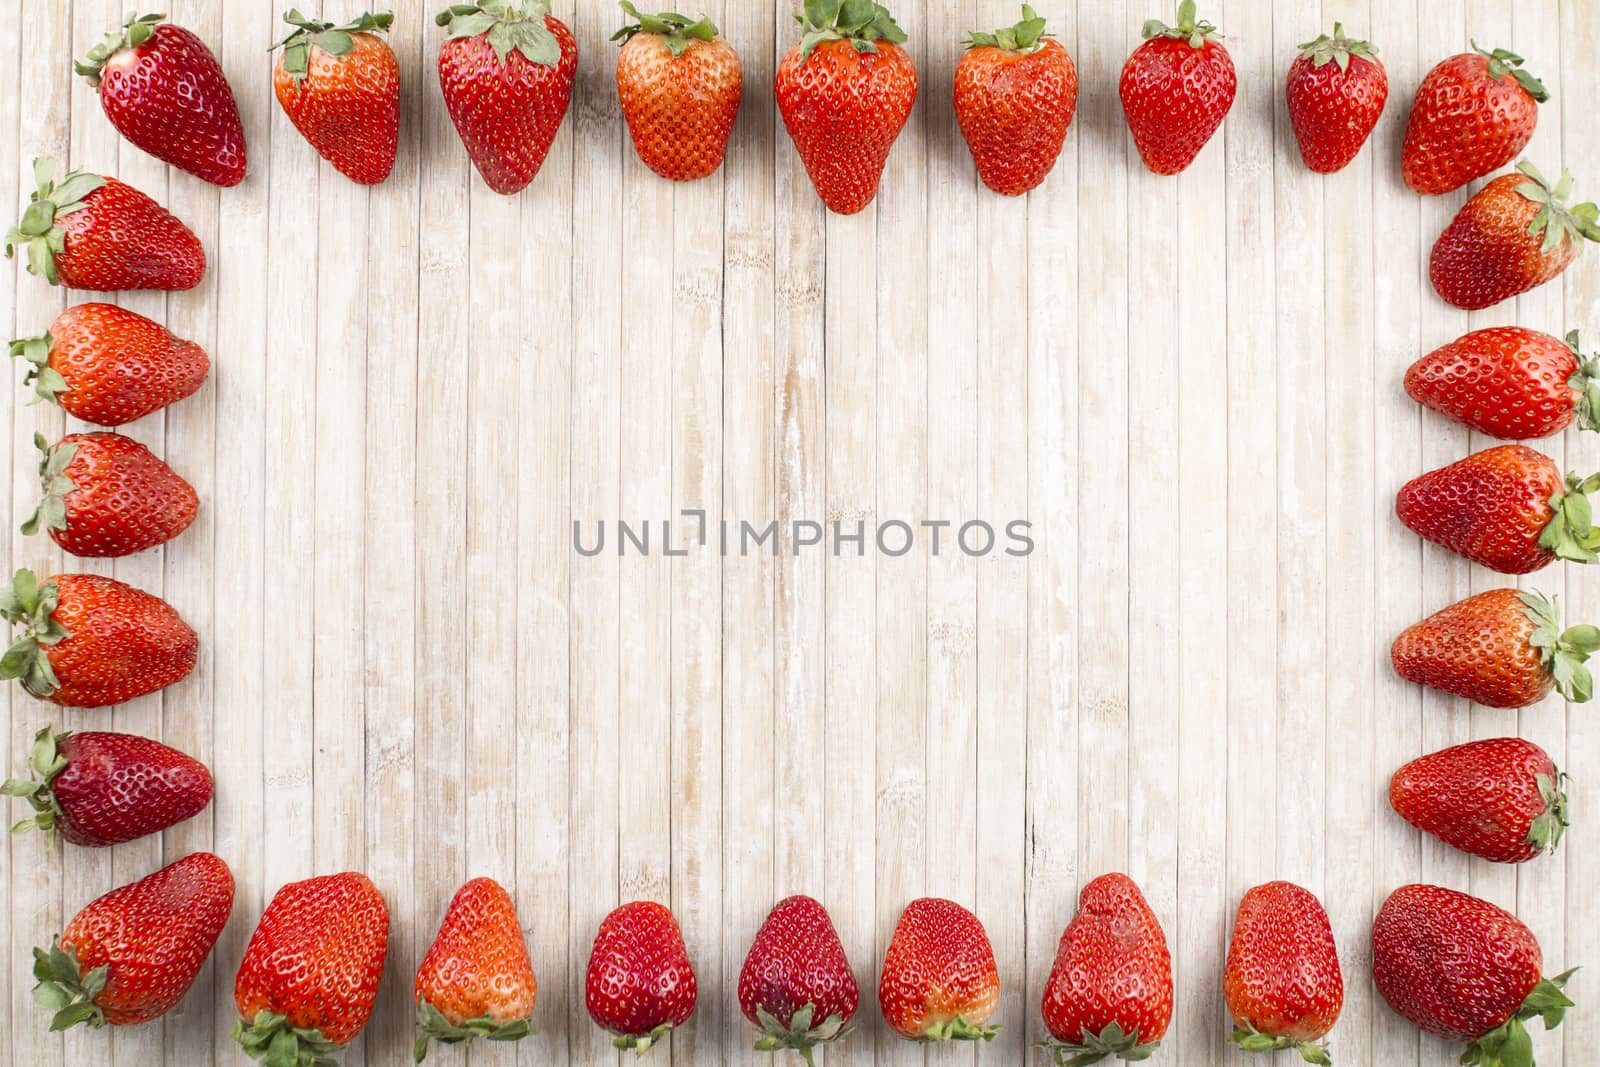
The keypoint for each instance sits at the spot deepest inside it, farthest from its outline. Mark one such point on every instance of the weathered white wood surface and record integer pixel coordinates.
(1190, 386)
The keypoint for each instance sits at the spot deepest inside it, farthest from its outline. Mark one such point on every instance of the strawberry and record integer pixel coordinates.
(1500, 799)
(340, 86)
(640, 983)
(93, 232)
(109, 366)
(1510, 382)
(506, 70)
(1282, 980)
(1516, 234)
(680, 83)
(1506, 508)
(796, 983)
(165, 92)
(1502, 649)
(476, 980)
(1110, 990)
(310, 974)
(845, 92)
(101, 789)
(1015, 93)
(1464, 970)
(1176, 89)
(130, 956)
(92, 641)
(108, 495)
(939, 979)
(1336, 91)
(1473, 113)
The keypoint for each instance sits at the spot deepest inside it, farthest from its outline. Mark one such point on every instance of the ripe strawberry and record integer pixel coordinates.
(165, 92)
(108, 495)
(310, 974)
(845, 92)
(939, 979)
(1282, 982)
(340, 86)
(1177, 88)
(101, 789)
(1473, 113)
(680, 84)
(1516, 234)
(93, 232)
(91, 641)
(796, 983)
(109, 366)
(640, 982)
(1336, 91)
(130, 956)
(1502, 649)
(1464, 970)
(506, 71)
(476, 980)
(1110, 990)
(1015, 90)
(1500, 799)
(1510, 382)
(1506, 507)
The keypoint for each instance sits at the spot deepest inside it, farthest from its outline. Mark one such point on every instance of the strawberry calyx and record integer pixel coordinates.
(334, 40)
(1092, 1048)
(1556, 222)
(1508, 1045)
(47, 382)
(1023, 39)
(1562, 652)
(639, 1044)
(800, 1036)
(433, 1026)
(675, 29)
(1571, 534)
(511, 26)
(45, 763)
(959, 1029)
(24, 602)
(1187, 28)
(53, 463)
(1544, 833)
(1503, 61)
(269, 1038)
(134, 31)
(861, 22)
(1585, 380)
(65, 991)
(1338, 49)
(38, 230)
(1250, 1039)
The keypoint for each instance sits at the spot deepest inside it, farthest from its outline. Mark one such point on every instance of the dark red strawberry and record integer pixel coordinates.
(340, 86)
(1282, 982)
(796, 983)
(1500, 799)
(1336, 91)
(1510, 382)
(640, 983)
(1176, 89)
(939, 980)
(108, 495)
(476, 980)
(1473, 113)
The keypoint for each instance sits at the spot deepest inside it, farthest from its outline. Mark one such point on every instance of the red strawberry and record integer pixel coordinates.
(130, 956)
(93, 232)
(846, 91)
(506, 71)
(310, 974)
(1502, 649)
(1016, 90)
(640, 982)
(1464, 970)
(1177, 88)
(91, 641)
(1516, 234)
(165, 92)
(1110, 990)
(939, 979)
(1510, 382)
(796, 983)
(1500, 799)
(101, 789)
(340, 86)
(1506, 508)
(109, 366)
(476, 980)
(1282, 981)
(1336, 91)
(1473, 113)
(108, 495)
(680, 84)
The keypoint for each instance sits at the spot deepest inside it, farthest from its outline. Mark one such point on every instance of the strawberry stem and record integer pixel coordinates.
(269, 1037)
(65, 991)
(1557, 222)
(1249, 1039)
(39, 229)
(1092, 1048)
(25, 603)
(1509, 1045)
(677, 30)
(432, 1025)
(1338, 49)
(45, 763)
(639, 1044)
(1544, 833)
(1197, 33)
(1563, 653)
(1571, 534)
(53, 480)
(511, 26)
(1023, 39)
(334, 40)
(799, 1035)
(47, 382)
(861, 22)
(1586, 380)
(134, 31)
(1503, 61)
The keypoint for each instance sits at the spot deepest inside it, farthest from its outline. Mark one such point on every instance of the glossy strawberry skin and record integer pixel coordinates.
(796, 960)
(1486, 255)
(1334, 111)
(125, 500)
(1282, 977)
(1015, 111)
(680, 109)
(639, 978)
(478, 965)
(1464, 124)
(347, 107)
(124, 240)
(1482, 797)
(1477, 649)
(1490, 507)
(1175, 98)
(1505, 381)
(1112, 968)
(939, 967)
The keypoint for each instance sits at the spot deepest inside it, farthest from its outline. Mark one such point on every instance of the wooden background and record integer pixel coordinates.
(1190, 386)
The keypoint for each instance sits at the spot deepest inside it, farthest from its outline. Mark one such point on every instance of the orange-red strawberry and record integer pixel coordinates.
(90, 641)
(939, 980)
(108, 495)
(1176, 89)
(309, 976)
(109, 366)
(640, 983)
(680, 83)
(1517, 233)
(476, 980)
(1282, 981)
(1336, 91)
(1110, 990)
(1500, 799)
(845, 92)
(1473, 113)
(796, 983)
(340, 86)
(130, 956)
(506, 69)
(1510, 382)
(1015, 93)
(94, 232)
